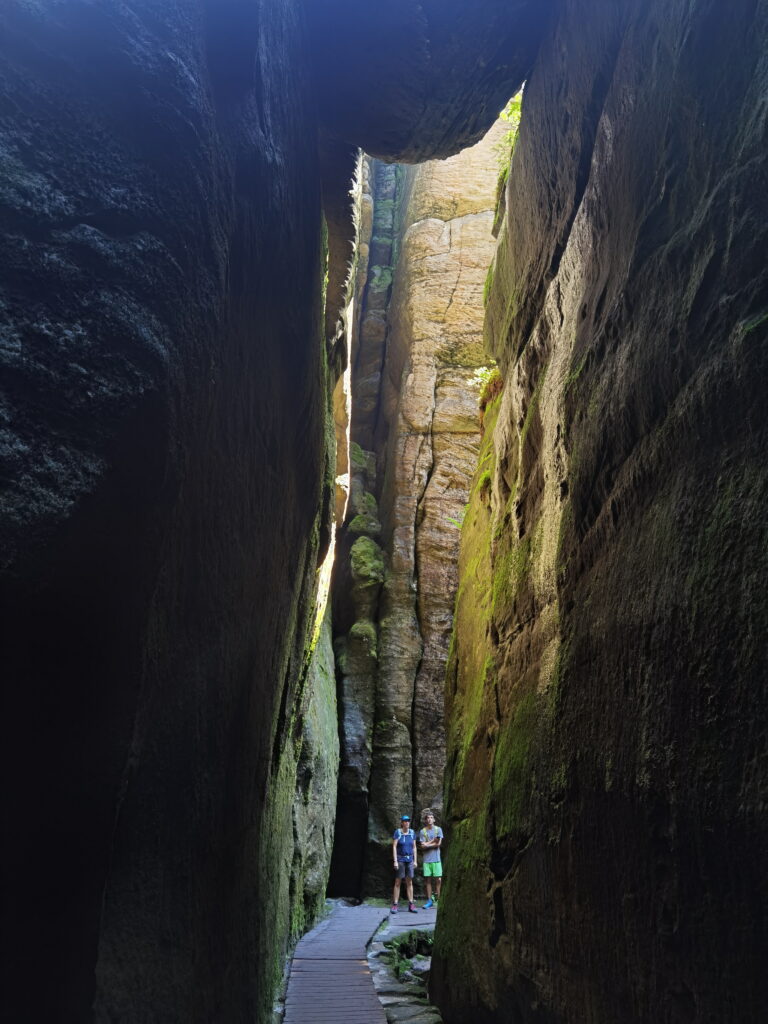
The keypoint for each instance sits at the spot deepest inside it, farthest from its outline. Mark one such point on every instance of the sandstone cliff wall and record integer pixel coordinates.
(607, 703)
(428, 432)
(415, 437)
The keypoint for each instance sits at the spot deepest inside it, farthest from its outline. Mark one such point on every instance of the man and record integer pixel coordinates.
(405, 859)
(430, 838)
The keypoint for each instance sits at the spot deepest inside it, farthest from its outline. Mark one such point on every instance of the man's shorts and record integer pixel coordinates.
(405, 870)
(434, 870)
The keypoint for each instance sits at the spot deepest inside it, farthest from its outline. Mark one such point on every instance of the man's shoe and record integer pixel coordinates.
(412, 909)
(428, 905)
(394, 909)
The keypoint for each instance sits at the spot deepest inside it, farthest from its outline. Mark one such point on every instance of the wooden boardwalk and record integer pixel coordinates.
(330, 981)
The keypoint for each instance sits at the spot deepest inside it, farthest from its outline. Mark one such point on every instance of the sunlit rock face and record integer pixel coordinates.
(607, 710)
(429, 427)
(415, 432)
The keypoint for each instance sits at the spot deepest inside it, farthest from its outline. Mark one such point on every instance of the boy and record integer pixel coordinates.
(405, 859)
(430, 838)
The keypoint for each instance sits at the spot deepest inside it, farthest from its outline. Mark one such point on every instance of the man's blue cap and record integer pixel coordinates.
(405, 817)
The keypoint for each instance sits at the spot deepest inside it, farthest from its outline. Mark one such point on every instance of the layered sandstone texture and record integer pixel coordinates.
(608, 722)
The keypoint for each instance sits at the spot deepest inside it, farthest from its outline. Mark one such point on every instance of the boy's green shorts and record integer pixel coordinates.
(433, 870)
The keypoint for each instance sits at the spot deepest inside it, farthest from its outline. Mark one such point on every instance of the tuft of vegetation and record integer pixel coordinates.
(755, 322)
(484, 484)
(491, 384)
(402, 949)
(380, 279)
(458, 522)
(357, 455)
(504, 149)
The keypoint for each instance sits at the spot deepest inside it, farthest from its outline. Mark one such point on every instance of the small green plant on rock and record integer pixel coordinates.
(505, 147)
(404, 948)
(491, 385)
(459, 522)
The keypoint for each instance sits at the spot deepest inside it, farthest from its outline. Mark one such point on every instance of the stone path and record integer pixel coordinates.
(330, 981)
(405, 922)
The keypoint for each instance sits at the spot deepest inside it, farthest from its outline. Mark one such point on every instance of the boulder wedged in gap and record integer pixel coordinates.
(414, 80)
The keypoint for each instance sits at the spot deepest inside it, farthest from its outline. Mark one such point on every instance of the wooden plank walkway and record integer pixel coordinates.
(330, 981)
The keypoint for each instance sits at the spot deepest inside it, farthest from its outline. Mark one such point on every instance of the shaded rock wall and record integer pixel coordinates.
(316, 757)
(415, 79)
(161, 503)
(360, 568)
(607, 729)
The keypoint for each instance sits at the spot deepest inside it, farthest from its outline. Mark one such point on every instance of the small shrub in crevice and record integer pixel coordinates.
(491, 389)
(402, 950)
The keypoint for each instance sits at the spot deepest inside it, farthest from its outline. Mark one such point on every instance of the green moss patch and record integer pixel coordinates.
(357, 456)
(367, 560)
(488, 285)
(364, 524)
(511, 765)
(380, 279)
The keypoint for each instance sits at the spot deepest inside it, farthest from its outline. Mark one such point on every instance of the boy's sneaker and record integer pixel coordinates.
(412, 909)
(394, 909)
(428, 905)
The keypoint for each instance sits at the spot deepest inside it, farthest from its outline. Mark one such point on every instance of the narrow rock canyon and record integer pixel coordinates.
(268, 575)
(416, 352)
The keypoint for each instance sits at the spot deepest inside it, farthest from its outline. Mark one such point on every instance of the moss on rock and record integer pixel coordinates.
(367, 561)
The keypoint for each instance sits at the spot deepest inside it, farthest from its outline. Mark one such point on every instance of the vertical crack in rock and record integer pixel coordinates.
(418, 798)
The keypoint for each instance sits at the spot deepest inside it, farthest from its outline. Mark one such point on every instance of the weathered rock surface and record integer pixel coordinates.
(447, 259)
(608, 718)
